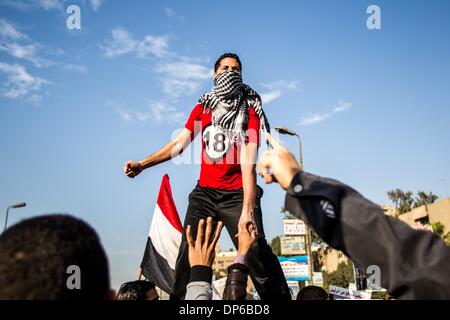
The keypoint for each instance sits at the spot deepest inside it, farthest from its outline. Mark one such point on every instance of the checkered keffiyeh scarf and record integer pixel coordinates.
(229, 101)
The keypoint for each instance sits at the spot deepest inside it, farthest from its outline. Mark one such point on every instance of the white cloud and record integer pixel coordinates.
(133, 116)
(319, 117)
(314, 119)
(19, 51)
(270, 96)
(282, 84)
(172, 14)
(27, 52)
(182, 77)
(20, 84)
(50, 4)
(7, 30)
(153, 45)
(20, 46)
(164, 113)
(277, 89)
(177, 87)
(124, 42)
(342, 106)
(27, 5)
(8, 37)
(184, 70)
(125, 115)
(95, 4)
(34, 4)
(159, 112)
(179, 75)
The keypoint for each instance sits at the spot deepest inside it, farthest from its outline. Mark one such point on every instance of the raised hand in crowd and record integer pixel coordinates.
(202, 250)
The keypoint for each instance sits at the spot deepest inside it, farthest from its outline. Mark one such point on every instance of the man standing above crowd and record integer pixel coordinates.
(229, 118)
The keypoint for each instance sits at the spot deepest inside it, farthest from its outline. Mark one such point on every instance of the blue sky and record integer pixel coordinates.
(372, 106)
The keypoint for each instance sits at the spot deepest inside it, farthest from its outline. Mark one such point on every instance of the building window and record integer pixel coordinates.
(424, 220)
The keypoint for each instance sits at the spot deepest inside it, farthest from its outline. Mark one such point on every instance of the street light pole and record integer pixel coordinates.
(300, 151)
(284, 130)
(14, 206)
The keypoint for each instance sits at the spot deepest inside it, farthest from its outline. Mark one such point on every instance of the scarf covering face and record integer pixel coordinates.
(229, 101)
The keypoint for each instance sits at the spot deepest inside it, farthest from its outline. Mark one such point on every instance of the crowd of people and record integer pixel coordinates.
(36, 253)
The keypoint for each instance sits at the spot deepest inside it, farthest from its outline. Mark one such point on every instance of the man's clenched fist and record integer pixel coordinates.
(132, 168)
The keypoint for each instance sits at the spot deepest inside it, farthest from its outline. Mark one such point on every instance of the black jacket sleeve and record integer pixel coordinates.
(236, 285)
(414, 264)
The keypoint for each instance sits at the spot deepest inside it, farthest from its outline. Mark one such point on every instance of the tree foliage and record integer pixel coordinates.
(402, 201)
(405, 202)
(424, 199)
(439, 230)
(275, 245)
(342, 277)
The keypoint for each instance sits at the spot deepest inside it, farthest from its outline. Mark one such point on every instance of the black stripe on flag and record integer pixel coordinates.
(155, 268)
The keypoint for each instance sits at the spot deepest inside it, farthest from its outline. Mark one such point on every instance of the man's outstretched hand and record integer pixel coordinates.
(202, 251)
(132, 168)
(246, 237)
(280, 161)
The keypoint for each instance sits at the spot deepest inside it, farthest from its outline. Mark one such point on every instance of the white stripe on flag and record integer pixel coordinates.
(165, 238)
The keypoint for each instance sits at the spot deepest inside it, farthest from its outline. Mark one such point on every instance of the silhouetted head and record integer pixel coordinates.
(138, 290)
(53, 257)
(312, 293)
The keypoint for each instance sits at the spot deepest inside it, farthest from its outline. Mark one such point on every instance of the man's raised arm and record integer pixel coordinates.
(169, 151)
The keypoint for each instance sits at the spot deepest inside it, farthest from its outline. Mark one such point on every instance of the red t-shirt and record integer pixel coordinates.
(220, 166)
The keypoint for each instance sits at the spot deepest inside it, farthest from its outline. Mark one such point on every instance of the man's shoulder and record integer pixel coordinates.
(198, 108)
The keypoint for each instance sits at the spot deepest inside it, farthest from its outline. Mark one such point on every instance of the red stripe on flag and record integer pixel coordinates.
(167, 205)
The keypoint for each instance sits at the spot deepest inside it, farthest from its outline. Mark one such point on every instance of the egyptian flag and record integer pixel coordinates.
(158, 263)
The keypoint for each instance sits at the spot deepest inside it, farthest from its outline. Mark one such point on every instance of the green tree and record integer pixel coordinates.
(342, 277)
(316, 261)
(403, 201)
(275, 245)
(424, 199)
(439, 229)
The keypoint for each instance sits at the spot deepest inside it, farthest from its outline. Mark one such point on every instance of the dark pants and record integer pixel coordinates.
(226, 206)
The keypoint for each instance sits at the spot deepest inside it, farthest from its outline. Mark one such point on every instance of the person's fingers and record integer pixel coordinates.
(209, 227)
(249, 226)
(217, 234)
(254, 234)
(189, 239)
(200, 233)
(265, 162)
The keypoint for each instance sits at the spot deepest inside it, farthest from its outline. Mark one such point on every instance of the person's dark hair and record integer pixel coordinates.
(227, 55)
(35, 256)
(135, 290)
(312, 293)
